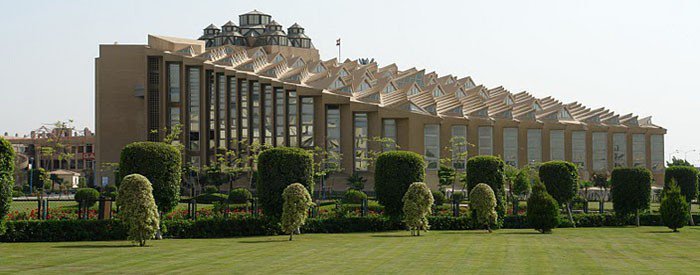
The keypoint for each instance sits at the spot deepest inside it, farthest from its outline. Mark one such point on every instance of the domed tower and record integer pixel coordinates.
(209, 35)
(273, 35)
(297, 37)
(253, 23)
(231, 35)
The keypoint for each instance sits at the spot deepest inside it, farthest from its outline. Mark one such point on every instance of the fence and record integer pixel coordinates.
(60, 209)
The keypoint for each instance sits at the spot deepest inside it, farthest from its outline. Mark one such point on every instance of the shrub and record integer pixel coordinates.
(353, 196)
(110, 191)
(561, 180)
(138, 208)
(87, 196)
(417, 204)
(394, 172)
(295, 210)
(674, 208)
(542, 210)
(239, 196)
(63, 230)
(161, 164)
(521, 185)
(439, 197)
(686, 177)
(356, 181)
(631, 190)
(210, 198)
(210, 189)
(483, 201)
(7, 170)
(488, 170)
(458, 196)
(277, 168)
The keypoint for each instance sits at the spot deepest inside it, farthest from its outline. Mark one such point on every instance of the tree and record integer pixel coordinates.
(457, 150)
(137, 208)
(631, 190)
(488, 170)
(277, 168)
(674, 208)
(561, 180)
(686, 177)
(7, 171)
(295, 210)
(417, 203)
(56, 144)
(510, 175)
(395, 171)
(600, 180)
(542, 210)
(356, 181)
(39, 178)
(327, 163)
(678, 162)
(483, 201)
(446, 176)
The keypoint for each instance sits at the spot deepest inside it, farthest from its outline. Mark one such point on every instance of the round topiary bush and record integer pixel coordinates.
(674, 209)
(161, 164)
(458, 196)
(488, 170)
(278, 168)
(87, 196)
(542, 210)
(137, 208)
(110, 191)
(631, 190)
(439, 197)
(295, 210)
(394, 172)
(483, 201)
(239, 196)
(353, 196)
(417, 203)
(210, 189)
(7, 170)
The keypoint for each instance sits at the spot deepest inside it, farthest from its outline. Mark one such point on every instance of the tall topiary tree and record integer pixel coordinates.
(295, 210)
(686, 177)
(631, 190)
(277, 168)
(7, 171)
(161, 164)
(674, 208)
(86, 197)
(488, 170)
(394, 172)
(542, 210)
(561, 180)
(137, 208)
(483, 201)
(417, 203)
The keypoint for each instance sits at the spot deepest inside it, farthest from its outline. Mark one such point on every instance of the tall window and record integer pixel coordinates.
(193, 76)
(174, 94)
(578, 148)
(280, 116)
(333, 130)
(600, 151)
(657, 153)
(459, 146)
(211, 100)
(556, 144)
(233, 110)
(292, 118)
(619, 148)
(510, 146)
(390, 132)
(269, 114)
(485, 140)
(307, 122)
(222, 110)
(245, 109)
(431, 145)
(255, 111)
(534, 145)
(360, 136)
(639, 150)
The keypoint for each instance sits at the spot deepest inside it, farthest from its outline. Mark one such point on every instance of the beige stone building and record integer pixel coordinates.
(256, 81)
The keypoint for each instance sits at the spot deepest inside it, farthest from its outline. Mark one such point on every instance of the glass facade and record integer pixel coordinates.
(485, 140)
(174, 95)
(280, 120)
(361, 135)
(556, 144)
(268, 112)
(510, 146)
(431, 145)
(657, 153)
(619, 148)
(255, 111)
(221, 82)
(534, 145)
(333, 130)
(245, 108)
(233, 111)
(459, 146)
(211, 100)
(292, 118)
(639, 150)
(578, 148)
(600, 151)
(307, 122)
(390, 132)
(193, 89)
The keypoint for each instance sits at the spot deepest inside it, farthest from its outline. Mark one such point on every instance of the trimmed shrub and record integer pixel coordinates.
(295, 210)
(394, 172)
(210, 189)
(161, 164)
(417, 203)
(631, 190)
(458, 196)
(521, 185)
(674, 208)
(561, 180)
(110, 191)
(542, 210)
(483, 201)
(211, 198)
(278, 168)
(488, 170)
(239, 196)
(353, 196)
(7, 171)
(439, 197)
(138, 208)
(87, 196)
(686, 177)
(63, 230)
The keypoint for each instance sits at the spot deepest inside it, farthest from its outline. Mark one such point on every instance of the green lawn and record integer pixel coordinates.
(581, 251)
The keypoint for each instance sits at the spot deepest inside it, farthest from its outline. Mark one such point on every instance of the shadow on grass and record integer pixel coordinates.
(533, 232)
(266, 241)
(467, 232)
(84, 246)
(393, 236)
(660, 231)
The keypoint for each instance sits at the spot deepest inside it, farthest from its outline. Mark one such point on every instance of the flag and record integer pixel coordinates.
(337, 42)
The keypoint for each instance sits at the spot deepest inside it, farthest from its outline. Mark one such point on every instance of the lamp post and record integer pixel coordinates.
(31, 174)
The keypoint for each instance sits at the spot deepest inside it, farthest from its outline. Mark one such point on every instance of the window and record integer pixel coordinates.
(460, 94)
(510, 146)
(564, 114)
(485, 140)
(437, 92)
(255, 110)
(619, 148)
(638, 150)
(174, 82)
(174, 116)
(534, 145)
(657, 153)
(390, 132)
(211, 108)
(193, 76)
(389, 88)
(508, 101)
(318, 69)
(364, 86)
(299, 63)
(536, 106)
(343, 73)
(278, 58)
(292, 118)
(578, 148)
(307, 122)
(431, 145)
(279, 116)
(483, 94)
(337, 84)
(333, 132)
(414, 91)
(600, 151)
(556, 144)
(459, 146)
(360, 142)
(233, 110)
(245, 108)
(268, 114)
(222, 110)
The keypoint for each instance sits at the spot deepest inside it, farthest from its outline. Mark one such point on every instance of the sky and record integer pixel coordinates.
(637, 57)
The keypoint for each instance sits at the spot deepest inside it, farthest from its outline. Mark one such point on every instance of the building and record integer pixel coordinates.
(254, 81)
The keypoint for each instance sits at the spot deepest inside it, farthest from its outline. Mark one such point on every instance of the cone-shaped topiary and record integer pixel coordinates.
(417, 204)
(137, 208)
(483, 201)
(686, 177)
(542, 210)
(7, 170)
(295, 209)
(674, 207)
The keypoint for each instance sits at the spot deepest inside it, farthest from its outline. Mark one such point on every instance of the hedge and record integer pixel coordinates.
(631, 189)
(277, 168)
(63, 230)
(7, 171)
(488, 170)
(686, 178)
(161, 164)
(394, 172)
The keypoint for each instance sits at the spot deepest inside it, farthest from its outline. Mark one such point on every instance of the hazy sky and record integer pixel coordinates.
(629, 56)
